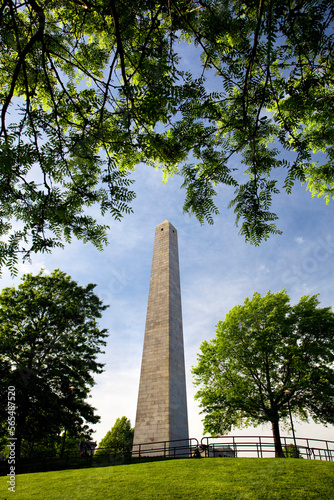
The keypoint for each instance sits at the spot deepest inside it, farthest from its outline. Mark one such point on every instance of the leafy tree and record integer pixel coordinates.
(49, 345)
(264, 348)
(119, 438)
(91, 88)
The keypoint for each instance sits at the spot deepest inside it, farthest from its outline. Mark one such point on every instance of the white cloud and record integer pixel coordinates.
(300, 240)
(263, 269)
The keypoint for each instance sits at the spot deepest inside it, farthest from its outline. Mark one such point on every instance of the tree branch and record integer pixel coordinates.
(119, 40)
(38, 36)
(250, 65)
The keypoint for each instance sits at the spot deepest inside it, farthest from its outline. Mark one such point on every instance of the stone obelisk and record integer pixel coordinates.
(162, 404)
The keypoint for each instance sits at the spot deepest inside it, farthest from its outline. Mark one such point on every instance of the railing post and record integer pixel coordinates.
(308, 452)
(328, 451)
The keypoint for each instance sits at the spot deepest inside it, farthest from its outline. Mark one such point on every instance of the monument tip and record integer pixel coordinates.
(166, 221)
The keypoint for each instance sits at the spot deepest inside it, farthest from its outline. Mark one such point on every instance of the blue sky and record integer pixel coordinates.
(218, 270)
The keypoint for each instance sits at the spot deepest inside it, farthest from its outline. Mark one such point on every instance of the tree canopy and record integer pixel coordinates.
(119, 438)
(267, 355)
(91, 88)
(49, 347)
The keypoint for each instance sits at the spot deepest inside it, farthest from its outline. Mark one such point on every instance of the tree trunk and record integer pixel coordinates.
(63, 444)
(277, 439)
(18, 445)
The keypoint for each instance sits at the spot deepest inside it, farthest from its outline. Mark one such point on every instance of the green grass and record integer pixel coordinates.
(210, 478)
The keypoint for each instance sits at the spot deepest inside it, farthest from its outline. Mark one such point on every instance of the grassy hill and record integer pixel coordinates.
(210, 478)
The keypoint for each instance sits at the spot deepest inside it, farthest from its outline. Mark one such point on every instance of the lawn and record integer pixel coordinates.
(210, 478)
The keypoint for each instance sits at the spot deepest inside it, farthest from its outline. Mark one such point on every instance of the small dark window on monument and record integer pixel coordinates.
(162, 229)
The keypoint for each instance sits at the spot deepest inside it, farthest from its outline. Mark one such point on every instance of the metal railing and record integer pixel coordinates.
(180, 448)
(224, 446)
(263, 446)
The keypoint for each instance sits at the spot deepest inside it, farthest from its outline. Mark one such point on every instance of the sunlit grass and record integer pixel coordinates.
(210, 478)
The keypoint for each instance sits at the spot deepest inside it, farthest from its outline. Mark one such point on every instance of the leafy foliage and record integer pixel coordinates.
(87, 82)
(91, 88)
(49, 344)
(264, 348)
(119, 438)
(274, 84)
